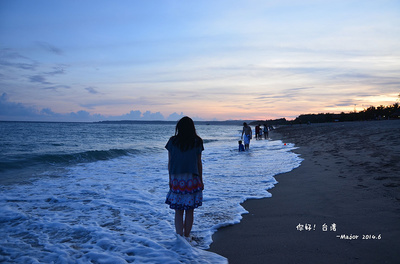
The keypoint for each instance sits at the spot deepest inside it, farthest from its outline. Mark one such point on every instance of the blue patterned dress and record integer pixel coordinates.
(185, 191)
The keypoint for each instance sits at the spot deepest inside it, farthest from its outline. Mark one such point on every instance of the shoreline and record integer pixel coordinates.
(346, 192)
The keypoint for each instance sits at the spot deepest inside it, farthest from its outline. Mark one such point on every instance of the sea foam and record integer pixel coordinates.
(113, 211)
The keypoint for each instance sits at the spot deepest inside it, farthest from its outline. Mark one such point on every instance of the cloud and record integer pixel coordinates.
(152, 116)
(49, 48)
(56, 70)
(12, 59)
(56, 87)
(290, 93)
(12, 111)
(92, 90)
(132, 115)
(48, 112)
(38, 79)
(137, 115)
(41, 78)
(348, 102)
(298, 89)
(175, 116)
(85, 115)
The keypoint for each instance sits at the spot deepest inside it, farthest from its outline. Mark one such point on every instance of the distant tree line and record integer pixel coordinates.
(271, 122)
(371, 113)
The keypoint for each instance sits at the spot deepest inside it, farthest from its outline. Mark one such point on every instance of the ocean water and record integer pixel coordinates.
(95, 192)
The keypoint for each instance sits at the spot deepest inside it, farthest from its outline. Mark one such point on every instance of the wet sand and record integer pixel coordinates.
(342, 205)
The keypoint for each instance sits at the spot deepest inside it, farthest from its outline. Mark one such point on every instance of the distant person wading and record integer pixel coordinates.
(247, 135)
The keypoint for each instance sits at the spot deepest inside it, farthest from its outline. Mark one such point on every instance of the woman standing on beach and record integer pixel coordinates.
(185, 174)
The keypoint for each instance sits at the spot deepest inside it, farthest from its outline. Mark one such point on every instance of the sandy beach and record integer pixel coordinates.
(342, 205)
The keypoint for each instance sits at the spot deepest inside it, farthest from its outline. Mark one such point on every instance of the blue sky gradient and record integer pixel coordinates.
(109, 60)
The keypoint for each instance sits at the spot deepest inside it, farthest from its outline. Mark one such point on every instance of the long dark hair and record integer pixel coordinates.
(185, 134)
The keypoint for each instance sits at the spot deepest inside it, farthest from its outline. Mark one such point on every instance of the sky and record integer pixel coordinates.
(70, 60)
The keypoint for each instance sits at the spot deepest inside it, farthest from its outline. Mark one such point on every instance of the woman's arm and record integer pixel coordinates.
(169, 167)
(200, 167)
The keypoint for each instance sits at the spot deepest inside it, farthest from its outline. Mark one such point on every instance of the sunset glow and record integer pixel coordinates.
(99, 60)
